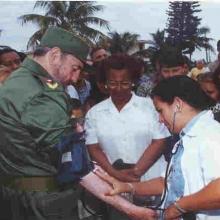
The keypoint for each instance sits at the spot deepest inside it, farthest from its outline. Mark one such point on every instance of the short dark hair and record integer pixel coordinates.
(119, 61)
(186, 89)
(206, 77)
(95, 49)
(6, 49)
(75, 104)
(40, 51)
(170, 57)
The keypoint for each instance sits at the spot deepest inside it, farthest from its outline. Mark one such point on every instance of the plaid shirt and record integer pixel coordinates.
(145, 86)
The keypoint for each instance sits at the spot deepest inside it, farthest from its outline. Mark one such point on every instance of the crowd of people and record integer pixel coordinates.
(154, 138)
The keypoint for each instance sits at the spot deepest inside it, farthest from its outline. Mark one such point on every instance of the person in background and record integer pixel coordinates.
(76, 109)
(214, 65)
(10, 58)
(207, 83)
(34, 115)
(216, 79)
(83, 87)
(144, 84)
(171, 64)
(167, 66)
(4, 73)
(98, 54)
(77, 115)
(79, 89)
(182, 106)
(199, 69)
(98, 91)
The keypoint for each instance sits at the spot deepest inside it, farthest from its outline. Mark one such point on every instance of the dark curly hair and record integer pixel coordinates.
(186, 89)
(119, 61)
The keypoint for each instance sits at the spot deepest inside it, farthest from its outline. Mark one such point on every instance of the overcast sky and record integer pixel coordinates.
(141, 17)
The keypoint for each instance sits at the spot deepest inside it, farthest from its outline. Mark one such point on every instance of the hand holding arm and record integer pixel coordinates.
(150, 187)
(101, 189)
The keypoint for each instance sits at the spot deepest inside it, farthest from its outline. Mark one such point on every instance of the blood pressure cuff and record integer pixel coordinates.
(74, 162)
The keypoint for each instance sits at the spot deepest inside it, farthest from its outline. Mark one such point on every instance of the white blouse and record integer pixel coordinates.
(126, 134)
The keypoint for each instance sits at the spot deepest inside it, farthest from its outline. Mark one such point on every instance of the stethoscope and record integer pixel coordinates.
(188, 216)
(168, 170)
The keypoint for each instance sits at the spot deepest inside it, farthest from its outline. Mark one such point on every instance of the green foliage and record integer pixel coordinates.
(74, 16)
(183, 29)
(119, 43)
(122, 42)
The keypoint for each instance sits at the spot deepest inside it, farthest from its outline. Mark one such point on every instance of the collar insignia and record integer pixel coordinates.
(51, 84)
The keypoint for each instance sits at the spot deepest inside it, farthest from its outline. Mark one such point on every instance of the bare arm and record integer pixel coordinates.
(207, 198)
(150, 187)
(152, 153)
(100, 189)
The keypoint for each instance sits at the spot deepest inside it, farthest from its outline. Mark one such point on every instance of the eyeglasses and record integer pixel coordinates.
(123, 84)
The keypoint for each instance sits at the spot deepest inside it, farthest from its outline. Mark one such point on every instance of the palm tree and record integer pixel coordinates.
(122, 43)
(74, 16)
(157, 44)
(200, 41)
(204, 42)
(158, 40)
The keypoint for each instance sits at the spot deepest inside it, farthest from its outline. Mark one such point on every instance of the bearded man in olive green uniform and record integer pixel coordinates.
(34, 114)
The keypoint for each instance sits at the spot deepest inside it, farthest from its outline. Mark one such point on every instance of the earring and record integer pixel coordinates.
(105, 86)
(132, 85)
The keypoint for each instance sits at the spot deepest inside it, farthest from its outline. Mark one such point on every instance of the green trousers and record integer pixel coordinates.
(34, 205)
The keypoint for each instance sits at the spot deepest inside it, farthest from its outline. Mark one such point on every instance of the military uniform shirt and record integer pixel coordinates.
(34, 114)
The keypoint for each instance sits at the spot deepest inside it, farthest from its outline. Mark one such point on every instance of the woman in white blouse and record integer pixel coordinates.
(125, 126)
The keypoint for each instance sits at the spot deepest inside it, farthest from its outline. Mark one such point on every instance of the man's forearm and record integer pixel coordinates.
(150, 156)
(100, 188)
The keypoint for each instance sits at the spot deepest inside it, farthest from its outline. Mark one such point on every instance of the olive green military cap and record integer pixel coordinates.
(66, 41)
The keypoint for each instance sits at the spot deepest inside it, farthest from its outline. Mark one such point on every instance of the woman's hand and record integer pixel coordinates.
(125, 175)
(172, 213)
(118, 187)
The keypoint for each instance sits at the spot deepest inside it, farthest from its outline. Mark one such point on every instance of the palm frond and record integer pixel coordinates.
(93, 20)
(42, 4)
(37, 19)
(35, 39)
(91, 33)
(57, 9)
(75, 16)
(85, 8)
